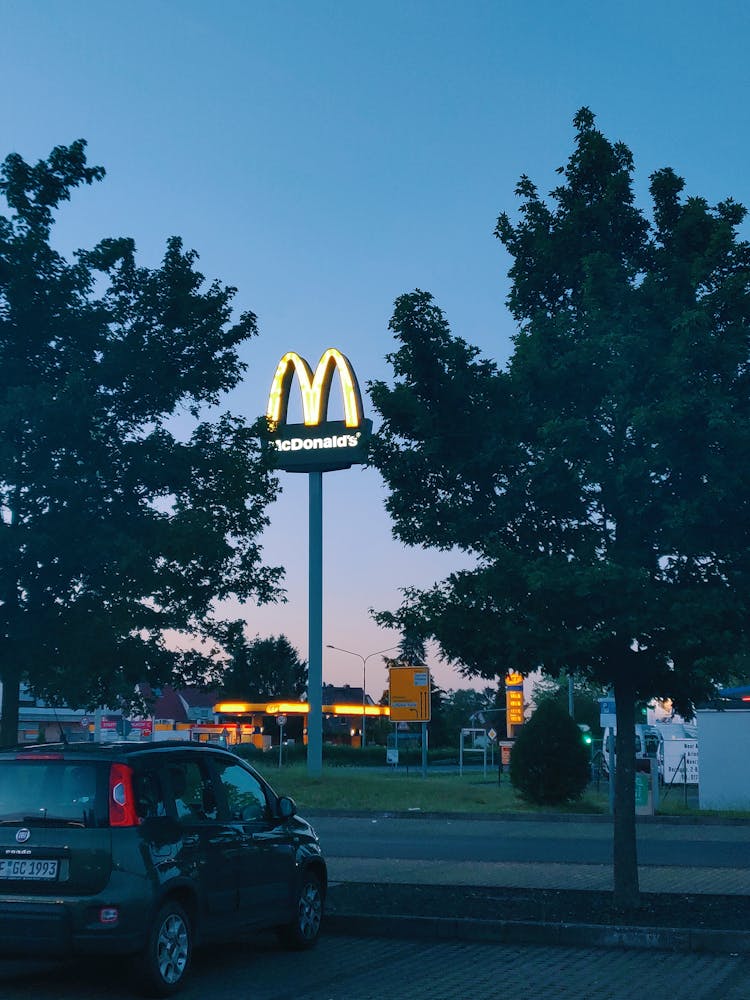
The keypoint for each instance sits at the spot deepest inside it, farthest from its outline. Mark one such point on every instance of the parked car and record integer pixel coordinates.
(148, 850)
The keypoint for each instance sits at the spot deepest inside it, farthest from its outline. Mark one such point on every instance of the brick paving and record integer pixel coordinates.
(354, 968)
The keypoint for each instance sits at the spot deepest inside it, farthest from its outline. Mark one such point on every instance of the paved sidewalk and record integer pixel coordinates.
(536, 875)
(718, 881)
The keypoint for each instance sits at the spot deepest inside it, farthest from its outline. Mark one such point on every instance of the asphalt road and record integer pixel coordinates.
(682, 845)
(347, 968)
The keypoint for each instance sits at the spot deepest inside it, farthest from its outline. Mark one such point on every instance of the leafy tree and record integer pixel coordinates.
(262, 669)
(466, 708)
(586, 709)
(125, 513)
(549, 764)
(411, 650)
(600, 479)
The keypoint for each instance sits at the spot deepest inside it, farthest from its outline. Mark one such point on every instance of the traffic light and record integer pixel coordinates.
(585, 733)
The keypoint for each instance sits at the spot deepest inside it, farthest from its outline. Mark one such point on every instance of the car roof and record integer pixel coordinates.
(110, 751)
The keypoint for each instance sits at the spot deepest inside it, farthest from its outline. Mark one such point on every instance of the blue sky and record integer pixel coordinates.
(325, 157)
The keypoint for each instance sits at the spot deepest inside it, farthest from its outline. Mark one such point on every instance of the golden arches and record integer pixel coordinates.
(315, 389)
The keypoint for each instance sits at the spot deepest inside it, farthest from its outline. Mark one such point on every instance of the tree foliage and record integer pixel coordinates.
(600, 479)
(549, 764)
(586, 708)
(126, 512)
(263, 668)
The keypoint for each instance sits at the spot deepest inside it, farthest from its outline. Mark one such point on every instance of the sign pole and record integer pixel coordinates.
(315, 629)
(316, 446)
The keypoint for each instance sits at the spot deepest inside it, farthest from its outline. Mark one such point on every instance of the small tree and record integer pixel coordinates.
(549, 764)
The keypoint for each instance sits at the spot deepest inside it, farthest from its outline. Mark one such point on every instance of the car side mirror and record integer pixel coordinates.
(287, 807)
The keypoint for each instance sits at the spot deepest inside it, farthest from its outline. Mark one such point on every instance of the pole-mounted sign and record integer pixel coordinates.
(318, 444)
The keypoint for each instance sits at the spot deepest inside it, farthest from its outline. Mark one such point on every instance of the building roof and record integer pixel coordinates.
(346, 695)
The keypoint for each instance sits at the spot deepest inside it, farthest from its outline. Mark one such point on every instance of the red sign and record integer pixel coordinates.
(143, 726)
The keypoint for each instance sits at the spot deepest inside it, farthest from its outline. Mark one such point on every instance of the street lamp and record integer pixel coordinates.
(364, 660)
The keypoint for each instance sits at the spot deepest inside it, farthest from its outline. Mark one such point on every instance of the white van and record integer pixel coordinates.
(649, 740)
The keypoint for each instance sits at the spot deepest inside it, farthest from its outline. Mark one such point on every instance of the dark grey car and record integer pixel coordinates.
(147, 850)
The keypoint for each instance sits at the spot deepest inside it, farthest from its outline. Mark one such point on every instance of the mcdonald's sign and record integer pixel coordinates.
(318, 444)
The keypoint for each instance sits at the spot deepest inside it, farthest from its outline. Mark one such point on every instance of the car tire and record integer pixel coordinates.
(303, 931)
(165, 961)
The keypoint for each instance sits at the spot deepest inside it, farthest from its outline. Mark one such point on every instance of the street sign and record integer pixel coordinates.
(409, 694)
(607, 713)
(280, 720)
(492, 733)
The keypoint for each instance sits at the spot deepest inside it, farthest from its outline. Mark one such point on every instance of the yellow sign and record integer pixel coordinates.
(315, 389)
(514, 707)
(513, 699)
(409, 694)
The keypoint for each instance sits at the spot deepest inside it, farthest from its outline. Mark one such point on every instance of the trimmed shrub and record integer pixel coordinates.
(549, 764)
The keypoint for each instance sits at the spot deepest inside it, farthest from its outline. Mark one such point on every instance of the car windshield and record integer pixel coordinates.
(48, 790)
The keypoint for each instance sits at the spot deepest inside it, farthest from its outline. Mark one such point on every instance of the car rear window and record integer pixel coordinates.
(53, 791)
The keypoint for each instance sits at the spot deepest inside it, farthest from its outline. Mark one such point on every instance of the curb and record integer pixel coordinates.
(510, 817)
(526, 932)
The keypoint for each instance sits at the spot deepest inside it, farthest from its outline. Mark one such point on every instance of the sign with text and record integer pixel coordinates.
(318, 444)
(680, 762)
(514, 699)
(409, 694)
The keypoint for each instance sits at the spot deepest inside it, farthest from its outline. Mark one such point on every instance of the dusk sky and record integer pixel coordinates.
(325, 157)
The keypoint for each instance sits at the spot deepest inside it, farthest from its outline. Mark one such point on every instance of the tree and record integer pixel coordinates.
(125, 513)
(262, 669)
(600, 479)
(586, 708)
(549, 764)
(466, 708)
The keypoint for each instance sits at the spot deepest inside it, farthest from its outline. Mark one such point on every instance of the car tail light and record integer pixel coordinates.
(121, 799)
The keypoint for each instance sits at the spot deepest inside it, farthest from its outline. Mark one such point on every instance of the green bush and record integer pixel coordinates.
(549, 764)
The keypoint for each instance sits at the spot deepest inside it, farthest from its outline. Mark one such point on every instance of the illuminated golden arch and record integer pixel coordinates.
(315, 389)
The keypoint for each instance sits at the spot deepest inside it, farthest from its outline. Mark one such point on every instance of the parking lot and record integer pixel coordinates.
(348, 968)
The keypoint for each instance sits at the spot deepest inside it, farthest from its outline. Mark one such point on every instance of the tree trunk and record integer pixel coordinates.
(625, 853)
(9, 709)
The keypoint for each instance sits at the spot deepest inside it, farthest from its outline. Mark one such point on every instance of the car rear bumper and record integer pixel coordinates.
(61, 928)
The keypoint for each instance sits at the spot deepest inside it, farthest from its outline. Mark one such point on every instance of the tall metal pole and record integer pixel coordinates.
(315, 629)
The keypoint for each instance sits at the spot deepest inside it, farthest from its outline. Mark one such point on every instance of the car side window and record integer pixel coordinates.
(245, 796)
(149, 793)
(191, 790)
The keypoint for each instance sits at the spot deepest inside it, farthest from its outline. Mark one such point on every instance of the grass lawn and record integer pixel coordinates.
(364, 789)
(367, 789)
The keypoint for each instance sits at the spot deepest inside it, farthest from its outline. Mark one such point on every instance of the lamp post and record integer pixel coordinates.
(364, 660)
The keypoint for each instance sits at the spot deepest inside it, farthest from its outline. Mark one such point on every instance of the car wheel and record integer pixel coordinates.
(166, 958)
(303, 930)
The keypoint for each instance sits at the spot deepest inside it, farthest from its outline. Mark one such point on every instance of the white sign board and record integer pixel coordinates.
(607, 713)
(680, 762)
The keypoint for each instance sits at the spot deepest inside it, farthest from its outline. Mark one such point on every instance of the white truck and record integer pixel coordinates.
(674, 745)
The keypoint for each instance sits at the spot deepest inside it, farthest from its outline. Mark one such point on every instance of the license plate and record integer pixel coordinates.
(27, 868)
